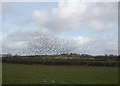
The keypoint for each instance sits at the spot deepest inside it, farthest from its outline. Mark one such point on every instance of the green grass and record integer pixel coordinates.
(0, 73)
(37, 74)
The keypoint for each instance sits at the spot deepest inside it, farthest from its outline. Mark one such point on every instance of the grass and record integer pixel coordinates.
(0, 73)
(48, 74)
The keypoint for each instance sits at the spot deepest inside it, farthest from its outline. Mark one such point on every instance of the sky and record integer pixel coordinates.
(85, 27)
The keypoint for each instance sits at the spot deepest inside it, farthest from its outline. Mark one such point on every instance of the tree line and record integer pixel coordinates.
(64, 59)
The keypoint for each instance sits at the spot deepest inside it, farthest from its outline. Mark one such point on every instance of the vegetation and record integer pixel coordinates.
(54, 74)
(60, 69)
(64, 59)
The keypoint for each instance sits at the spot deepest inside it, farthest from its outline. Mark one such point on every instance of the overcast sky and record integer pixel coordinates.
(93, 26)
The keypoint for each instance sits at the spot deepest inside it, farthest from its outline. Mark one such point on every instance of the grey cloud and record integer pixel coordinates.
(34, 43)
(16, 41)
(71, 16)
(103, 46)
(105, 11)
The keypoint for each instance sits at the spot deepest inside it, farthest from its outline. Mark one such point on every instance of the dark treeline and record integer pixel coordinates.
(64, 59)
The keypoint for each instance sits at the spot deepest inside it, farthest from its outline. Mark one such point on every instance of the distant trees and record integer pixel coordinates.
(62, 60)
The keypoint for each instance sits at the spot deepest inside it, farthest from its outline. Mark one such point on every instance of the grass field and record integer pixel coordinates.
(46, 74)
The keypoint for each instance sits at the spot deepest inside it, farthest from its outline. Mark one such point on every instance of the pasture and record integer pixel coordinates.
(58, 74)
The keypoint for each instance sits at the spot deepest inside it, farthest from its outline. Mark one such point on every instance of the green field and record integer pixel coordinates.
(48, 74)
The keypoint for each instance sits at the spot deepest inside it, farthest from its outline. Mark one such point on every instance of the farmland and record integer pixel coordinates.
(58, 74)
